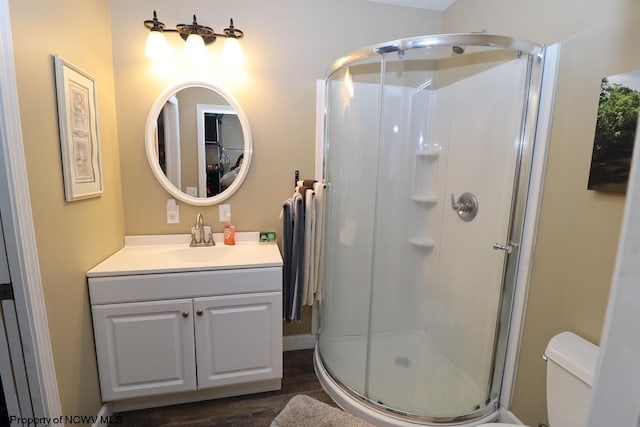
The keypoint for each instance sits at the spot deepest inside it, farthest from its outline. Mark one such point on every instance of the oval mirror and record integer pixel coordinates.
(198, 143)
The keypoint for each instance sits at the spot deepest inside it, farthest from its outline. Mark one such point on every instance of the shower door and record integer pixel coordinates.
(413, 288)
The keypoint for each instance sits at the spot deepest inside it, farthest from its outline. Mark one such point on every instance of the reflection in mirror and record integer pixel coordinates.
(201, 143)
(223, 147)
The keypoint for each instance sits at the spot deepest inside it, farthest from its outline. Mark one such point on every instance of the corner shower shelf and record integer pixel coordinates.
(422, 243)
(432, 151)
(427, 200)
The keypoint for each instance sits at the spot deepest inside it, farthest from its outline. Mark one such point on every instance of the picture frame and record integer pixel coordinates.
(79, 137)
(615, 132)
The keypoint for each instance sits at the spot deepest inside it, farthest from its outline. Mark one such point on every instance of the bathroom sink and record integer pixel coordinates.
(201, 254)
(218, 253)
(172, 253)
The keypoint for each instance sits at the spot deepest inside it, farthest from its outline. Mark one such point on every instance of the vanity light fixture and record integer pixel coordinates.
(196, 37)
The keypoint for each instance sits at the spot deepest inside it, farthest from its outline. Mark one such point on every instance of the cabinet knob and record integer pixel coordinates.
(199, 312)
(185, 314)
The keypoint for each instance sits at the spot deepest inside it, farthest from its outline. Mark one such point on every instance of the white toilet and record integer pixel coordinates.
(571, 364)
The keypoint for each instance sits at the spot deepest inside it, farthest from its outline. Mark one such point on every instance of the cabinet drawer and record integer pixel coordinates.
(120, 289)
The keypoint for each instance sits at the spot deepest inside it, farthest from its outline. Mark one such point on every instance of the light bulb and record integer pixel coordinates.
(194, 50)
(156, 46)
(232, 52)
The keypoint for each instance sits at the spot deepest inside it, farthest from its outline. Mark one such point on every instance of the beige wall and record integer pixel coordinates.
(71, 237)
(579, 229)
(289, 44)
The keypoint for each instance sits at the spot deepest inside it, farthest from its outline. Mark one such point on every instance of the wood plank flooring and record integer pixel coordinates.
(253, 410)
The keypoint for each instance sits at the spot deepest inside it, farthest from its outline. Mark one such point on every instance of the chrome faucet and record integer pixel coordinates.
(200, 227)
(198, 233)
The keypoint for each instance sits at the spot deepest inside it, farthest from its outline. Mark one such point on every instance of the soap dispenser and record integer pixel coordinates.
(229, 231)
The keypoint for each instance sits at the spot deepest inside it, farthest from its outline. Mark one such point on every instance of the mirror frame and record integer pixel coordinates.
(151, 129)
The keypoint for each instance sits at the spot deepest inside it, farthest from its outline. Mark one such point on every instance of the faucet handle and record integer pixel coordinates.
(210, 240)
(206, 234)
(193, 237)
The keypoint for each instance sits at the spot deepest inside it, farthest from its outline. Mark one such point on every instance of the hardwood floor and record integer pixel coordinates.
(253, 410)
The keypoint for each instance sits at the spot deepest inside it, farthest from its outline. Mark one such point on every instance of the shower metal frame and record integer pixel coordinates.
(438, 40)
(522, 175)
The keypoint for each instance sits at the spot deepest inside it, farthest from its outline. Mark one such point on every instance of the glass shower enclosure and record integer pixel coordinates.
(428, 147)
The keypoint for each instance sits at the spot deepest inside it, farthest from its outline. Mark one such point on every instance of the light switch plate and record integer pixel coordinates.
(192, 191)
(224, 213)
(173, 212)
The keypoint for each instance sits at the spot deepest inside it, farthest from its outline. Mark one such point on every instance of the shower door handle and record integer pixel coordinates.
(506, 248)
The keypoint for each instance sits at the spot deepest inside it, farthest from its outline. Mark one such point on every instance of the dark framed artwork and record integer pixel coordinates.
(615, 134)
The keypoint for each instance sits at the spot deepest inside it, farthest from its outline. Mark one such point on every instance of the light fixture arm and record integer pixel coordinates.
(184, 30)
(154, 24)
(232, 31)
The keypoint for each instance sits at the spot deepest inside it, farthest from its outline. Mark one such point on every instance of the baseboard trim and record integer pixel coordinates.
(156, 401)
(103, 419)
(507, 416)
(298, 342)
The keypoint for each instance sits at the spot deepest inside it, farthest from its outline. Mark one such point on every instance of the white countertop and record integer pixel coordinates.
(171, 253)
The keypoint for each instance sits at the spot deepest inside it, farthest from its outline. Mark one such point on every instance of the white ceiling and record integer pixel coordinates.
(438, 5)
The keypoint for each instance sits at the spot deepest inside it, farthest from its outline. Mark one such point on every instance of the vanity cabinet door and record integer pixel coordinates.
(145, 348)
(238, 338)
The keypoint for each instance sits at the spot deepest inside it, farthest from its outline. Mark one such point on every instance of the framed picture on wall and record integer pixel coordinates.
(615, 132)
(78, 123)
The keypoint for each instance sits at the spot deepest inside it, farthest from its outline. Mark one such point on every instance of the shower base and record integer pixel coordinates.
(410, 375)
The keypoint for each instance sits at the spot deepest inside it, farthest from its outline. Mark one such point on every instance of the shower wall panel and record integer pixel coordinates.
(394, 305)
(350, 199)
(477, 124)
(352, 192)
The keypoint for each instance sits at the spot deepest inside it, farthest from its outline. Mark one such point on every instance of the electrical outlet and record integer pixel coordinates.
(173, 217)
(224, 213)
(173, 212)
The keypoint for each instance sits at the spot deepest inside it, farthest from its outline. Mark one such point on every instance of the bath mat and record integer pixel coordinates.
(305, 411)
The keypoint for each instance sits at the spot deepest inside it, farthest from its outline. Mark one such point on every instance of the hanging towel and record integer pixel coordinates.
(287, 257)
(318, 189)
(293, 257)
(309, 245)
(303, 216)
(297, 258)
(314, 220)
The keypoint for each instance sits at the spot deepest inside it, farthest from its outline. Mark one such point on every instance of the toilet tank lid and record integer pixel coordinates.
(575, 354)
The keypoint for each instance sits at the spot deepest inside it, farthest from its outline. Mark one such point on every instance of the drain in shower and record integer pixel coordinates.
(402, 361)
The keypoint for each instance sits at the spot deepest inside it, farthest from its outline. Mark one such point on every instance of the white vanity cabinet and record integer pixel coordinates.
(187, 335)
(145, 348)
(234, 335)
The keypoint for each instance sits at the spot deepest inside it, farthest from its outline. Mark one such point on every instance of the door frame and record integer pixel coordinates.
(19, 234)
(530, 228)
(617, 377)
